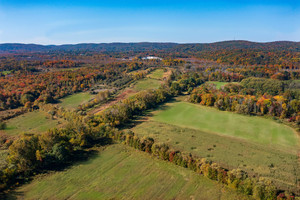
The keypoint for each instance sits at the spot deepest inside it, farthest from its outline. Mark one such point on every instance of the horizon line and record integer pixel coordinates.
(21, 43)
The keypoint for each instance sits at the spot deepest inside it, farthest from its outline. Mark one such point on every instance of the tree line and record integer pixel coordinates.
(252, 96)
(236, 179)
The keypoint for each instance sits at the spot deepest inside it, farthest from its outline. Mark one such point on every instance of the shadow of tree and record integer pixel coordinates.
(78, 157)
(145, 115)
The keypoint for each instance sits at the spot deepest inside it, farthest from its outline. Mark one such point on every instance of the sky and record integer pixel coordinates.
(181, 21)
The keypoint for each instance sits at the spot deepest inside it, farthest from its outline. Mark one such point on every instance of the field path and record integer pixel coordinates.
(120, 97)
(166, 74)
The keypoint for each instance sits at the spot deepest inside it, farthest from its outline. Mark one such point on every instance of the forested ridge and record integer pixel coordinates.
(147, 46)
(283, 54)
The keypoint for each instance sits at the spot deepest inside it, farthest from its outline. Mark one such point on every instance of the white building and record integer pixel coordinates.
(151, 58)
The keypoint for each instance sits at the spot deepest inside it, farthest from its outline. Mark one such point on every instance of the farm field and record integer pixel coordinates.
(120, 172)
(31, 122)
(219, 84)
(73, 101)
(146, 83)
(227, 138)
(156, 74)
(152, 81)
(253, 129)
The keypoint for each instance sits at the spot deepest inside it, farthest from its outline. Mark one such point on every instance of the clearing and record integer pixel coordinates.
(157, 74)
(74, 100)
(146, 83)
(31, 122)
(152, 81)
(219, 84)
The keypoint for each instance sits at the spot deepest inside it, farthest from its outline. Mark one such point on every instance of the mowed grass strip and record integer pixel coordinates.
(156, 74)
(251, 128)
(152, 81)
(120, 172)
(73, 101)
(220, 84)
(231, 153)
(31, 122)
(146, 83)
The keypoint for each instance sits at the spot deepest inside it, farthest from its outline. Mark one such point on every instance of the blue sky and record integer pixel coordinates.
(69, 22)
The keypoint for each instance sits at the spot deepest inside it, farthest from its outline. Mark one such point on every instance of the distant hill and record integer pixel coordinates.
(241, 44)
(147, 46)
(102, 47)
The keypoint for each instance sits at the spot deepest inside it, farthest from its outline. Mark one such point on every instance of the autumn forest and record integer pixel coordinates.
(203, 118)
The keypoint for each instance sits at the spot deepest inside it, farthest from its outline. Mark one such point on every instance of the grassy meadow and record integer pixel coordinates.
(219, 84)
(120, 172)
(73, 101)
(152, 81)
(257, 145)
(146, 83)
(254, 129)
(39, 121)
(156, 74)
(31, 122)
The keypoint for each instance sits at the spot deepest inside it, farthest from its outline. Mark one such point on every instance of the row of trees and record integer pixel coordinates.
(8, 114)
(100, 97)
(122, 112)
(236, 178)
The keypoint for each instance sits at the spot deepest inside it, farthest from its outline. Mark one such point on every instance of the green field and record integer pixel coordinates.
(152, 81)
(6, 72)
(73, 101)
(256, 145)
(253, 129)
(219, 84)
(31, 122)
(156, 74)
(146, 83)
(120, 172)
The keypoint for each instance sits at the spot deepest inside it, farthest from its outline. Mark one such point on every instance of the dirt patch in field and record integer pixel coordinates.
(167, 74)
(123, 95)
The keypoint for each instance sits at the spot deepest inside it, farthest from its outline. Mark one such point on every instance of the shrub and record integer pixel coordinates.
(2, 125)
